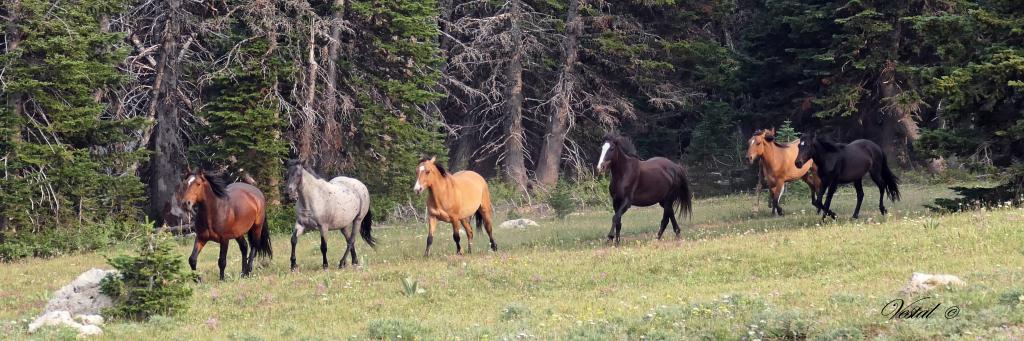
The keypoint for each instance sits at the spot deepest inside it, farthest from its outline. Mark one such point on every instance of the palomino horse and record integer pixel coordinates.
(453, 198)
(841, 163)
(224, 213)
(777, 167)
(343, 203)
(638, 182)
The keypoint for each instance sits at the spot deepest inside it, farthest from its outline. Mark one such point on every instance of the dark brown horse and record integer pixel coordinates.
(638, 182)
(842, 163)
(225, 213)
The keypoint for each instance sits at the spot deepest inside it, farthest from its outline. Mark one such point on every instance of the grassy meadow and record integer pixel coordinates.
(737, 273)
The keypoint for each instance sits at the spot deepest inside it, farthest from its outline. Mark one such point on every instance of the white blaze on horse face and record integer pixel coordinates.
(419, 187)
(191, 178)
(604, 151)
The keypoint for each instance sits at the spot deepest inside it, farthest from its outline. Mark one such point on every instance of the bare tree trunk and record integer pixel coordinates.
(166, 162)
(306, 132)
(515, 159)
(332, 132)
(558, 125)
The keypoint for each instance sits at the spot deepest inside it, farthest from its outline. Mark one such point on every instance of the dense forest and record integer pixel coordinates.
(107, 102)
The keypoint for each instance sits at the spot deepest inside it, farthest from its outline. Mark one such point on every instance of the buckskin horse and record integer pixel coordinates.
(642, 183)
(842, 163)
(777, 167)
(225, 213)
(453, 198)
(343, 203)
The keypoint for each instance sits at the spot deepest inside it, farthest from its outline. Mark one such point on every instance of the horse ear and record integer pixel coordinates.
(433, 159)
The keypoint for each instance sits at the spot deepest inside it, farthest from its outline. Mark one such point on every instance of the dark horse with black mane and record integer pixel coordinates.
(842, 163)
(638, 182)
(224, 213)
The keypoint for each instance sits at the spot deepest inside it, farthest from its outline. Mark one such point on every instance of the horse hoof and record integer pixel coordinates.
(494, 247)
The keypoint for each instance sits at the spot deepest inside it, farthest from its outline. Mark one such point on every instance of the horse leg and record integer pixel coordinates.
(667, 207)
(469, 235)
(486, 211)
(616, 203)
(880, 182)
(431, 226)
(323, 246)
(352, 245)
(296, 232)
(222, 261)
(456, 225)
(196, 248)
(814, 191)
(828, 201)
(860, 197)
(617, 221)
(675, 224)
(776, 197)
(349, 245)
(244, 248)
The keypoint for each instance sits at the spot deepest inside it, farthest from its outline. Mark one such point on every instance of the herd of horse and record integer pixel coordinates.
(223, 212)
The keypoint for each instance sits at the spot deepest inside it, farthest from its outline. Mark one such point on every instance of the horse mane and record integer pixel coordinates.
(625, 144)
(218, 184)
(440, 169)
(828, 145)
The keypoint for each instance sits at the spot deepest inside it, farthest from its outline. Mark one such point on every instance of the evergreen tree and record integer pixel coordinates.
(60, 165)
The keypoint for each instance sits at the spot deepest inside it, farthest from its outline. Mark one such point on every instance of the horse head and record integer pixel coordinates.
(807, 149)
(758, 142)
(293, 179)
(613, 149)
(428, 173)
(189, 192)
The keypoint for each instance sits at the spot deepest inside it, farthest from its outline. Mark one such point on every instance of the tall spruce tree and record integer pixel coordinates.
(60, 169)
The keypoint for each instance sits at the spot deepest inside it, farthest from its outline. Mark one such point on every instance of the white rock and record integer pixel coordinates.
(518, 223)
(53, 318)
(922, 282)
(94, 320)
(82, 296)
(89, 330)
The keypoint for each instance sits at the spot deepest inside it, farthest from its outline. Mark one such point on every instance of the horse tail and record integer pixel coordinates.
(479, 221)
(684, 200)
(366, 228)
(891, 181)
(262, 245)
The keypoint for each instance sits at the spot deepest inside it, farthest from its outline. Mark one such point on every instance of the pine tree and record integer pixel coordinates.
(57, 144)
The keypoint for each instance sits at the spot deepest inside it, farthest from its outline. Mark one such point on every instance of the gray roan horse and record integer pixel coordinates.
(343, 203)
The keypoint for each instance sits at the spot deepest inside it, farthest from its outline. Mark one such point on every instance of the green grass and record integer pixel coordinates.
(737, 273)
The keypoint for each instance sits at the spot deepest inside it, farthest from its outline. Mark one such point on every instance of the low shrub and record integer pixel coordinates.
(561, 201)
(154, 282)
(281, 218)
(781, 325)
(514, 312)
(57, 242)
(396, 329)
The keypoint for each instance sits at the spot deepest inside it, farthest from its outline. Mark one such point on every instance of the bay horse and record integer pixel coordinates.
(643, 183)
(777, 167)
(341, 204)
(224, 213)
(453, 198)
(842, 163)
